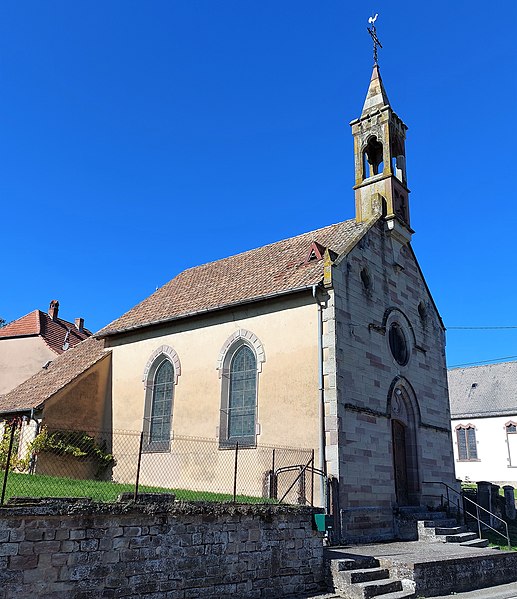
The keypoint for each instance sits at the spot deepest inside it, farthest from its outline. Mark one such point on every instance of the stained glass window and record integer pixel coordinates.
(242, 395)
(161, 410)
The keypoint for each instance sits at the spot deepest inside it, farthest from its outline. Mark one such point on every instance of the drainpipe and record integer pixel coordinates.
(321, 392)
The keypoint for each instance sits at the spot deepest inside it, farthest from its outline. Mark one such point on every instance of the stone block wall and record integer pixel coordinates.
(55, 550)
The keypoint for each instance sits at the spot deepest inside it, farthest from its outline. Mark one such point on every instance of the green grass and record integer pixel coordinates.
(496, 540)
(38, 485)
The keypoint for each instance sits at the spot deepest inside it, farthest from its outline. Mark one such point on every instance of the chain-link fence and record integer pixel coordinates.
(102, 465)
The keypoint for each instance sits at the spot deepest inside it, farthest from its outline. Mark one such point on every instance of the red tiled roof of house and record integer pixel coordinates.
(270, 270)
(64, 369)
(54, 332)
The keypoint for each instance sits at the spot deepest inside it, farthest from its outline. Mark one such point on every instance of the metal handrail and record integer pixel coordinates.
(478, 507)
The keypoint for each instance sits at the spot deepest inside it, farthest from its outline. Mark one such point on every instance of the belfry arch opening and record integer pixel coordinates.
(398, 160)
(373, 158)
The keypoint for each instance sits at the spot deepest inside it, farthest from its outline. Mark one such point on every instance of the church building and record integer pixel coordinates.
(329, 341)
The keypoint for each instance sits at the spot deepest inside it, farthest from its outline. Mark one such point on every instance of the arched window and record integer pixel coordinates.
(243, 394)
(158, 405)
(511, 439)
(239, 396)
(467, 445)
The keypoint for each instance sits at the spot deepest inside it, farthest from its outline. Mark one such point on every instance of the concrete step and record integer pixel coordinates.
(461, 538)
(366, 590)
(450, 530)
(367, 575)
(477, 542)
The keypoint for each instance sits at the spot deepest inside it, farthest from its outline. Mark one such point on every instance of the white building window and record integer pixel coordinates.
(511, 439)
(467, 446)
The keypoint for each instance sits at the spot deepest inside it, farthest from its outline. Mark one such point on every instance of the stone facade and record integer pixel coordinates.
(361, 382)
(174, 551)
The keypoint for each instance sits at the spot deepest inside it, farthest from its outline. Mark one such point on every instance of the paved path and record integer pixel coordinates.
(505, 591)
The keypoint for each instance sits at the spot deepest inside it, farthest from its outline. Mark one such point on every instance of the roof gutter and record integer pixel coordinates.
(155, 323)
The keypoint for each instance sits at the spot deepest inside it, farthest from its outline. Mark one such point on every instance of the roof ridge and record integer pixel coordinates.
(270, 270)
(481, 365)
(261, 247)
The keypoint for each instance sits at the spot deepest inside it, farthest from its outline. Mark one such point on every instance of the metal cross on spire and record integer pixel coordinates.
(373, 34)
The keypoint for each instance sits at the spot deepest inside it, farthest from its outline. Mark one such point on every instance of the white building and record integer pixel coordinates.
(484, 422)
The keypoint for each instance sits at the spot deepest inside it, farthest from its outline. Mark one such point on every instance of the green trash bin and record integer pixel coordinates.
(323, 522)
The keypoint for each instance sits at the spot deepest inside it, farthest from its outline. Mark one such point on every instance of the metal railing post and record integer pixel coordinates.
(272, 478)
(235, 473)
(312, 480)
(137, 481)
(8, 462)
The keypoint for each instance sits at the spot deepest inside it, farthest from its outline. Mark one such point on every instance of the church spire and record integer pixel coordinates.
(380, 158)
(376, 98)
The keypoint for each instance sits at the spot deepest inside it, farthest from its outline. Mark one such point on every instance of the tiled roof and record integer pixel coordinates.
(271, 270)
(482, 391)
(54, 332)
(47, 381)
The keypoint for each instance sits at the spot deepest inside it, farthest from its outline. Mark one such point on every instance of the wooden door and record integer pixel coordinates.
(400, 462)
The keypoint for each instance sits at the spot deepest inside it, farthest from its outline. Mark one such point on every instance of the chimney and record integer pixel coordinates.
(79, 324)
(53, 309)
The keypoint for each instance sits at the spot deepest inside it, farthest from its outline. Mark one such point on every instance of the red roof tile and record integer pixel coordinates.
(25, 326)
(274, 269)
(54, 332)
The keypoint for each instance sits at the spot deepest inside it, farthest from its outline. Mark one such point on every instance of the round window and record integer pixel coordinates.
(398, 344)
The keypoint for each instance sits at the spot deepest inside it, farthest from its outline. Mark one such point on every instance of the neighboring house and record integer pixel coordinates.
(30, 342)
(484, 422)
(329, 340)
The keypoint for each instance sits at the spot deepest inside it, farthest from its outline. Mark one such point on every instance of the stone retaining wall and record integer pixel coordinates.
(56, 550)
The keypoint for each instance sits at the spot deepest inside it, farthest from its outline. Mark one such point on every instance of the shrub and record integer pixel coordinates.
(17, 463)
(77, 444)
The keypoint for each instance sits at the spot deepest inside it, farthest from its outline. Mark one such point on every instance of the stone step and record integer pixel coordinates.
(435, 523)
(477, 542)
(367, 575)
(450, 530)
(425, 515)
(461, 538)
(359, 563)
(366, 590)
(399, 595)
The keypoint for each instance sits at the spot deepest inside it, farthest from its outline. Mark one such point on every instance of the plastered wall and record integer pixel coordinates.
(496, 453)
(20, 358)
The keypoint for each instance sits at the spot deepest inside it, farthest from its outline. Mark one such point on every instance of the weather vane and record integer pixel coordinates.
(373, 34)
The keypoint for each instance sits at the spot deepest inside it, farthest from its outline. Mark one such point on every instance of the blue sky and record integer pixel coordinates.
(141, 138)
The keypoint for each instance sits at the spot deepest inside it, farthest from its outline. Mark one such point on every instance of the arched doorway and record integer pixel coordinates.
(404, 413)
(398, 432)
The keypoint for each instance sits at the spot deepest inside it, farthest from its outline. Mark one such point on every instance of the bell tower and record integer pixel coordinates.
(380, 162)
